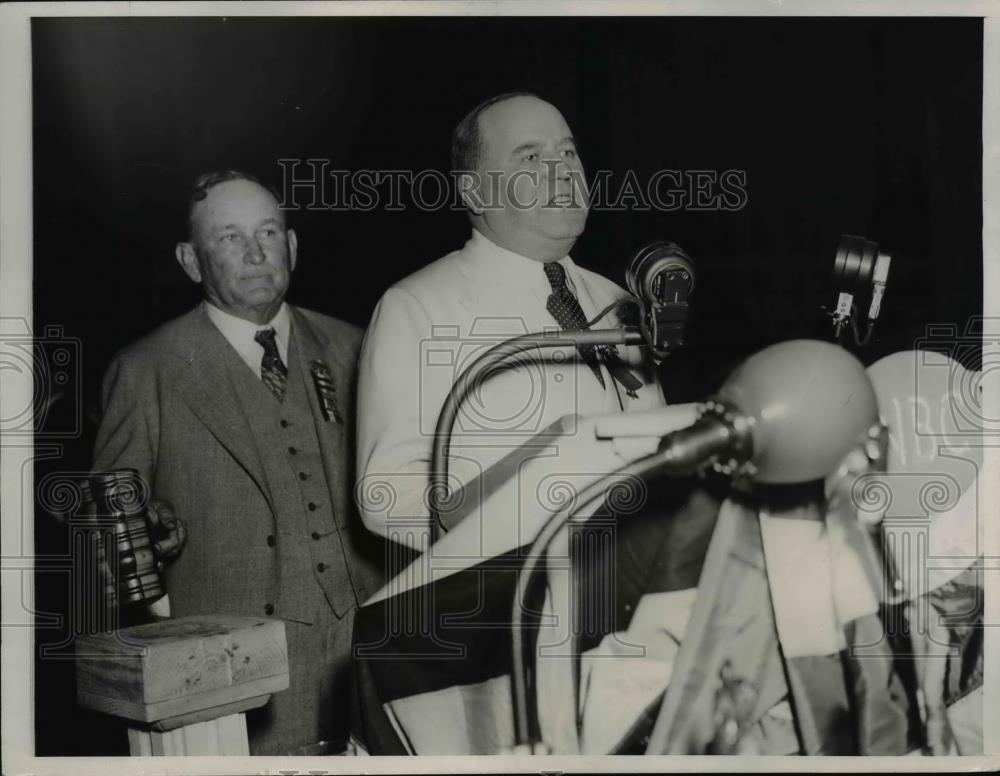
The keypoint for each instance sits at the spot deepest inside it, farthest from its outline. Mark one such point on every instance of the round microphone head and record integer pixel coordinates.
(809, 401)
(648, 267)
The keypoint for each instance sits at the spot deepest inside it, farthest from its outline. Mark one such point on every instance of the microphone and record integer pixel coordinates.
(860, 276)
(789, 414)
(661, 277)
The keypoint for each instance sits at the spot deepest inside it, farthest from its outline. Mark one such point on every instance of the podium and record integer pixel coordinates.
(183, 686)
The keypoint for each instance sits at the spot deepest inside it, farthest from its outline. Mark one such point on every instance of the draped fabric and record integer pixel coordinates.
(437, 680)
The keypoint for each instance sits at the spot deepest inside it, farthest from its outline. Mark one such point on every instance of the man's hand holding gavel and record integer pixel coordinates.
(163, 522)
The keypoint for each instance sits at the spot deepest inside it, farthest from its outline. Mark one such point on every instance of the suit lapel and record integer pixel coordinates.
(312, 345)
(203, 381)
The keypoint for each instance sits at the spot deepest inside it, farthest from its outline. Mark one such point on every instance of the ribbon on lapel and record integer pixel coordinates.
(326, 391)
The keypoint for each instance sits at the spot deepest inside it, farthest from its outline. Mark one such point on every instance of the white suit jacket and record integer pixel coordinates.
(431, 325)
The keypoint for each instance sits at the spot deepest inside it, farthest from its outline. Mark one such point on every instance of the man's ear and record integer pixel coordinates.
(468, 189)
(188, 260)
(293, 248)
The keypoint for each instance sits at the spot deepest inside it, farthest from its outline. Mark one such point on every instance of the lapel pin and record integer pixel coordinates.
(325, 390)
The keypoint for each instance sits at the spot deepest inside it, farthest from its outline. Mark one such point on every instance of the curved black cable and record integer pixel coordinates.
(861, 340)
(623, 302)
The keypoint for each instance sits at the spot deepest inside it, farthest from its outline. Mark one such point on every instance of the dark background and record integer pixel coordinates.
(863, 126)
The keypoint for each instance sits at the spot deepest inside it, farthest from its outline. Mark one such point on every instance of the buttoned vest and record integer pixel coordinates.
(305, 539)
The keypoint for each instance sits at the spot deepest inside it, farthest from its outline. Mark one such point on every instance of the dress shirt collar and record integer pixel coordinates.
(514, 268)
(240, 333)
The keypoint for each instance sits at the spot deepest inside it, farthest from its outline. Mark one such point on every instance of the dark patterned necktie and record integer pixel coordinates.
(272, 371)
(565, 308)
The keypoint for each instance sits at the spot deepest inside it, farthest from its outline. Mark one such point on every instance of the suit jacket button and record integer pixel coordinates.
(303, 476)
(316, 536)
(268, 609)
(292, 451)
(271, 541)
(320, 567)
(312, 506)
(284, 423)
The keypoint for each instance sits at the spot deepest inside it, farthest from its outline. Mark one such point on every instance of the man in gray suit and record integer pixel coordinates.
(240, 414)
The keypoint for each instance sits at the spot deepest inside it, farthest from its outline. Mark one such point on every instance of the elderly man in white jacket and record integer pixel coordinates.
(523, 184)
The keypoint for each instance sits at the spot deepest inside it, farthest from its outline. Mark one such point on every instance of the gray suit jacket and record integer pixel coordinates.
(170, 412)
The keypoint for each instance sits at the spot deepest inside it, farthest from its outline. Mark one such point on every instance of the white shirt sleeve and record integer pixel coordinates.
(393, 447)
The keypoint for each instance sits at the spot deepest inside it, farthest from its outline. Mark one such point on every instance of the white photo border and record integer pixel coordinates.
(17, 503)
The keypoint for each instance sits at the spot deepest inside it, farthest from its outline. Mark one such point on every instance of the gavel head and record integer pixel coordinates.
(119, 505)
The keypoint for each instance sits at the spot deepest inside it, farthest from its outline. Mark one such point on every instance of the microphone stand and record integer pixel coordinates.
(719, 431)
(527, 733)
(475, 374)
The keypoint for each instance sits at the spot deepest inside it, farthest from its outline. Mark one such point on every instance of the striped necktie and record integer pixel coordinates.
(565, 308)
(272, 371)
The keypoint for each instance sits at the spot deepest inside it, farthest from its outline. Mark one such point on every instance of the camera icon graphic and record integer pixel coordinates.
(950, 367)
(52, 408)
(509, 400)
